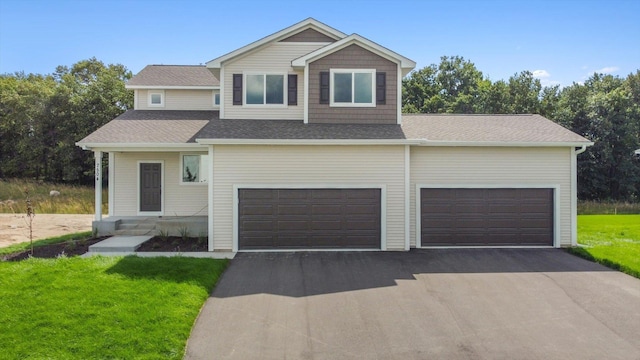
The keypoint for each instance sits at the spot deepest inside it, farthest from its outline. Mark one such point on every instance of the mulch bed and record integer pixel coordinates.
(78, 247)
(173, 244)
(69, 248)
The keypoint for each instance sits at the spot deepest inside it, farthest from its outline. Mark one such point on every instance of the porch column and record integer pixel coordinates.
(98, 186)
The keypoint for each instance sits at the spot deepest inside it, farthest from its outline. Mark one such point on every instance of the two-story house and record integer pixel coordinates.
(297, 141)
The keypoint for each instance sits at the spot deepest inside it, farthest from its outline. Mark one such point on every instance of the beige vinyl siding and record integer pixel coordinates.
(479, 166)
(311, 166)
(275, 58)
(179, 200)
(178, 100)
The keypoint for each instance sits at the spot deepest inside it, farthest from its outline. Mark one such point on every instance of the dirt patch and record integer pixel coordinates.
(14, 228)
(173, 244)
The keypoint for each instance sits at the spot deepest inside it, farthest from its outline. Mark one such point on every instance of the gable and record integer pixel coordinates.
(309, 35)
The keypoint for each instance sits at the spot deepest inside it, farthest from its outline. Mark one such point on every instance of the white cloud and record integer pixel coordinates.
(541, 74)
(608, 69)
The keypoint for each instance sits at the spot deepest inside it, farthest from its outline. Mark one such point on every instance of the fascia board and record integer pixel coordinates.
(310, 22)
(404, 62)
(139, 146)
(160, 87)
(503, 143)
(306, 142)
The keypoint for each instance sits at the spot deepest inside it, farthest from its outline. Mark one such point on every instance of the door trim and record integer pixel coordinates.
(162, 188)
(383, 208)
(556, 208)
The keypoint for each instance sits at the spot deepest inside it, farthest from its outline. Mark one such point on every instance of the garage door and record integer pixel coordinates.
(486, 217)
(308, 218)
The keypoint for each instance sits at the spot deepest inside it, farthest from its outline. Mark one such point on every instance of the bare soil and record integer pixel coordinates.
(70, 248)
(14, 228)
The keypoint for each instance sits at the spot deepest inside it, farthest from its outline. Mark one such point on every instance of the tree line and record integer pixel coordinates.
(43, 116)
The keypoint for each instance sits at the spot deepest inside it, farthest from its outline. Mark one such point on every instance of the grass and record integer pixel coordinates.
(73, 199)
(102, 307)
(52, 240)
(607, 207)
(612, 240)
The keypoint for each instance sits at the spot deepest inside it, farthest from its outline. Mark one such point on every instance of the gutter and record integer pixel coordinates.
(582, 149)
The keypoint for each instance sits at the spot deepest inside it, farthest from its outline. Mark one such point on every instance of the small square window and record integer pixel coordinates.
(216, 99)
(156, 98)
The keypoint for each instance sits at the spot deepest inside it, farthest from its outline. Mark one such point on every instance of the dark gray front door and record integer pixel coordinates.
(486, 217)
(151, 187)
(309, 218)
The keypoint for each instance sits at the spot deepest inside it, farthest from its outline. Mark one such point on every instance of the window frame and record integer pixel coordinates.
(214, 99)
(264, 89)
(150, 93)
(332, 84)
(181, 169)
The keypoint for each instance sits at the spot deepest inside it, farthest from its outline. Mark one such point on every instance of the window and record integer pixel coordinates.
(264, 89)
(352, 87)
(216, 99)
(195, 168)
(156, 98)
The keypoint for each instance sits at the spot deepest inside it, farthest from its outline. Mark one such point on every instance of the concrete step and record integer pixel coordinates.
(132, 225)
(135, 232)
(118, 244)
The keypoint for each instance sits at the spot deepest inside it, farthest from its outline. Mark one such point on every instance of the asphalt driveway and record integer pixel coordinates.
(441, 304)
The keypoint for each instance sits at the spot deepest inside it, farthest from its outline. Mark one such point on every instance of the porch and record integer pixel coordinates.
(192, 226)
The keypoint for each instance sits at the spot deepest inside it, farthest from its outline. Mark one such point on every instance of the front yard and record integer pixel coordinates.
(612, 240)
(102, 307)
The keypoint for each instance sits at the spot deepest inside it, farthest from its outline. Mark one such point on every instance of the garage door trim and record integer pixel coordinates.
(383, 209)
(556, 207)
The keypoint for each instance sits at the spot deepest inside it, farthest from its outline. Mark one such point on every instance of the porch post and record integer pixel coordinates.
(98, 185)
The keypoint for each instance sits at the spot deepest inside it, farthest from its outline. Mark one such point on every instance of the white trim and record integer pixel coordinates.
(309, 23)
(399, 96)
(425, 142)
(180, 178)
(210, 201)
(112, 183)
(405, 63)
(574, 197)
(304, 142)
(383, 204)
(306, 94)
(171, 87)
(141, 147)
(162, 189)
(150, 93)
(264, 74)
(556, 206)
(637, 152)
(352, 72)
(222, 90)
(407, 197)
(135, 100)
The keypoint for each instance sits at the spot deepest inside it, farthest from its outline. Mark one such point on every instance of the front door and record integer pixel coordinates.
(150, 187)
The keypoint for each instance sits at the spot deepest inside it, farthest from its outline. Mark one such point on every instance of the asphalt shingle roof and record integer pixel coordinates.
(172, 126)
(174, 75)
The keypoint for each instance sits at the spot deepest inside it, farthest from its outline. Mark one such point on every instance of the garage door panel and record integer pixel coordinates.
(478, 217)
(309, 218)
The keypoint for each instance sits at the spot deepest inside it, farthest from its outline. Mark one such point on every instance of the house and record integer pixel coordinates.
(297, 141)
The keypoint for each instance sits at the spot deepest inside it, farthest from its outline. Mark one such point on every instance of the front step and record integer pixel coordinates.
(136, 227)
(135, 232)
(118, 244)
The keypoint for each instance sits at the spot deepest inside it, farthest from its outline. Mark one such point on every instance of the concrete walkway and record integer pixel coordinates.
(121, 245)
(435, 304)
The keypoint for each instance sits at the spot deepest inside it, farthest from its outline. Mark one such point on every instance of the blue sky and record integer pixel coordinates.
(562, 41)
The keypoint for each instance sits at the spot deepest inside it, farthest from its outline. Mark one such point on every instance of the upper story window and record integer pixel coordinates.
(264, 89)
(156, 98)
(216, 99)
(353, 87)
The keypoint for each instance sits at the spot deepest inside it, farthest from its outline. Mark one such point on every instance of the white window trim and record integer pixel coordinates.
(180, 180)
(264, 89)
(151, 92)
(332, 83)
(213, 99)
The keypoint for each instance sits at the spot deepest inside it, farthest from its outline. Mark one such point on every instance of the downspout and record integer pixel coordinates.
(574, 194)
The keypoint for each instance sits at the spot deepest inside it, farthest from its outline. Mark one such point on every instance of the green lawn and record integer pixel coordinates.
(102, 307)
(52, 240)
(613, 240)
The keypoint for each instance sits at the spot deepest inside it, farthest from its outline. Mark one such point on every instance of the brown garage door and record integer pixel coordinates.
(308, 218)
(486, 217)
